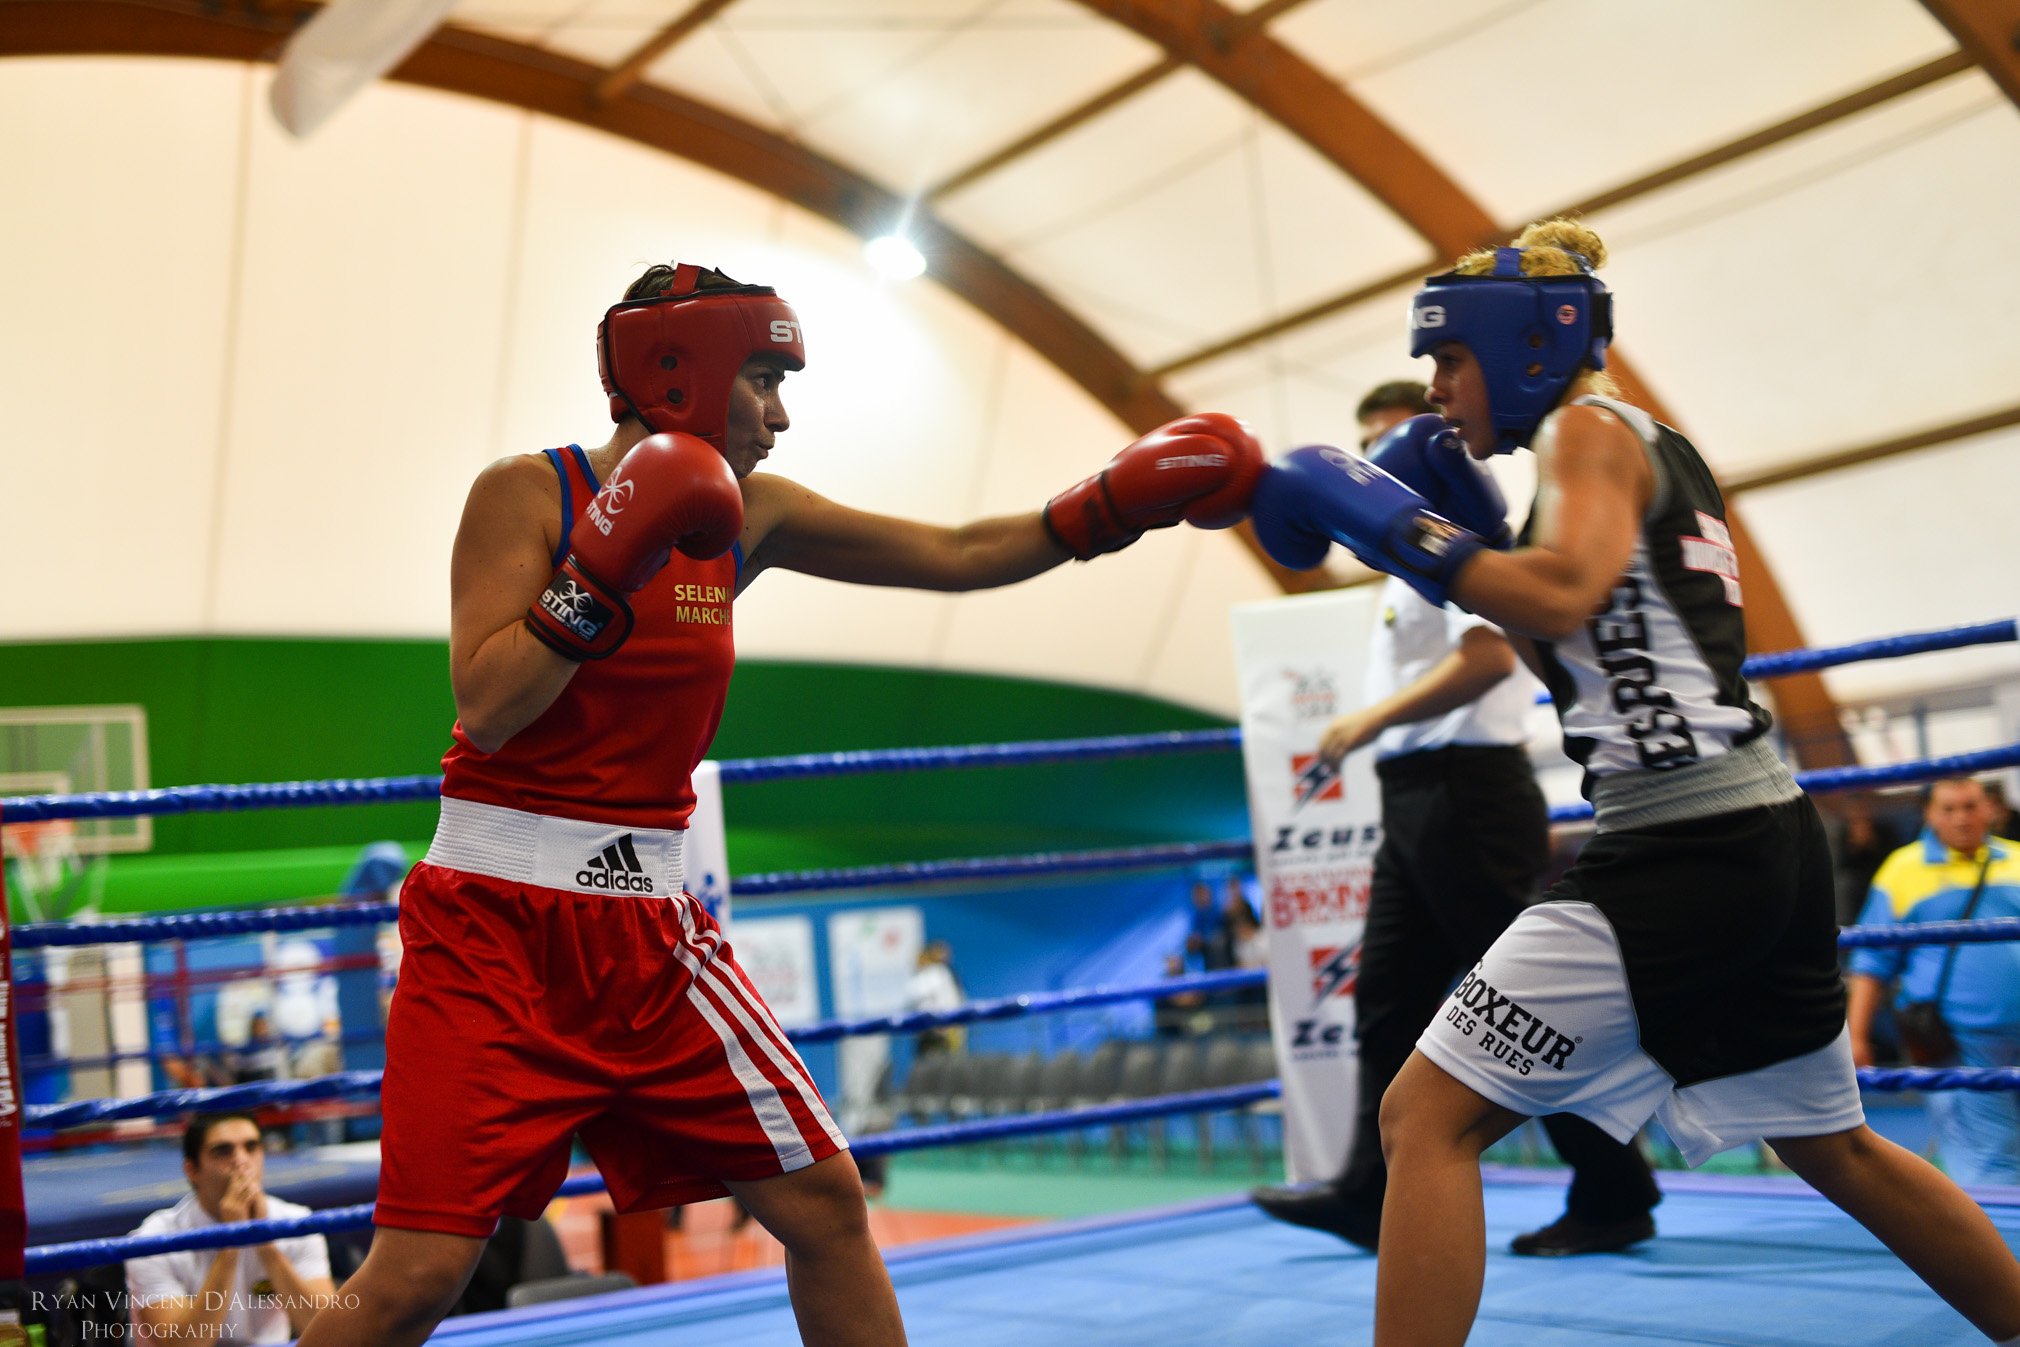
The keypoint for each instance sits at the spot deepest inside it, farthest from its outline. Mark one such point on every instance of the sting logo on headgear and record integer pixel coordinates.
(1529, 333)
(669, 359)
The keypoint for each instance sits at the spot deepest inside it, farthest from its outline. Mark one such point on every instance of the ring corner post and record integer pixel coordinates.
(13, 1206)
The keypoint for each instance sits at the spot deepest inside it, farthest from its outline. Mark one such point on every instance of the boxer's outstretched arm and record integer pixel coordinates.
(1594, 485)
(1198, 469)
(502, 675)
(788, 526)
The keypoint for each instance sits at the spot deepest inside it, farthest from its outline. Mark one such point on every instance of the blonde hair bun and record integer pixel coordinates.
(1550, 248)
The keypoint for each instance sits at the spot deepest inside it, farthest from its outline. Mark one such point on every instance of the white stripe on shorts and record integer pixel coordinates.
(746, 1003)
(767, 1104)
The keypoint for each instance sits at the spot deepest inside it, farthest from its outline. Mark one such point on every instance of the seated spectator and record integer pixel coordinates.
(936, 986)
(264, 1057)
(267, 1293)
(1954, 871)
(1247, 940)
(1184, 1013)
(1207, 947)
(2001, 823)
(319, 1056)
(195, 1073)
(1249, 945)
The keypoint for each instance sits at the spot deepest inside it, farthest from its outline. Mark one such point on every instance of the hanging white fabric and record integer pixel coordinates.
(346, 46)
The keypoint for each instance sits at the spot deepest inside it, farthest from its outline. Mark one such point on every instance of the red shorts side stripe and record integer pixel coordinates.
(766, 1106)
(729, 981)
(709, 993)
(526, 1015)
(786, 1061)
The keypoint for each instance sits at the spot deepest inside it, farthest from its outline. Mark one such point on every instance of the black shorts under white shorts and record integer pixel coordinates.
(1687, 971)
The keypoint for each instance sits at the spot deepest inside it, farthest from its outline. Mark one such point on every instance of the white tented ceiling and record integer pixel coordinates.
(245, 381)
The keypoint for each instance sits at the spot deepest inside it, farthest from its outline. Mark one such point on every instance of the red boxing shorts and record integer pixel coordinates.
(526, 1016)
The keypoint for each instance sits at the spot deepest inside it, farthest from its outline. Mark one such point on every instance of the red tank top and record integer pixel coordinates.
(620, 744)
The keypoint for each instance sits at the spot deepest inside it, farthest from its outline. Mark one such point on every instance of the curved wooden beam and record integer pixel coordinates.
(480, 66)
(1086, 111)
(1308, 103)
(632, 68)
(1318, 110)
(1838, 459)
(1942, 68)
(1989, 31)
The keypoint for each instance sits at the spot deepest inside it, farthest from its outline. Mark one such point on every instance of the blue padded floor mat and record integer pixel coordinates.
(1745, 1264)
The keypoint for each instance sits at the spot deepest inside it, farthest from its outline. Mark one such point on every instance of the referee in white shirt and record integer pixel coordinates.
(267, 1293)
(1466, 837)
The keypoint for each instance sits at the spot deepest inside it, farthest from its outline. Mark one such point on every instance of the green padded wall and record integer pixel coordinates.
(234, 710)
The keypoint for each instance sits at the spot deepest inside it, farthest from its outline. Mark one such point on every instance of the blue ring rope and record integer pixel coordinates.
(43, 1064)
(1823, 780)
(201, 799)
(52, 1258)
(220, 799)
(739, 771)
(1036, 1003)
(361, 1084)
(202, 925)
(198, 925)
(1984, 931)
(1782, 663)
(991, 867)
(742, 771)
(210, 1099)
(37, 936)
(85, 1253)
(49, 1258)
(1979, 1079)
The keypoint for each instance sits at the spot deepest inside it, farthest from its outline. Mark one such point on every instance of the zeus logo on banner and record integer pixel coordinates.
(1301, 662)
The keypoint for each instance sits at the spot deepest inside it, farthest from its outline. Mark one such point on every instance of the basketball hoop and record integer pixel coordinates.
(42, 857)
(44, 839)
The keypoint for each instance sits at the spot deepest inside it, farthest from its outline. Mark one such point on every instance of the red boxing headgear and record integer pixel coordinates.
(669, 359)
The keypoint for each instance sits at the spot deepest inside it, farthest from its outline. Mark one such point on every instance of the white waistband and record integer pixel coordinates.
(557, 853)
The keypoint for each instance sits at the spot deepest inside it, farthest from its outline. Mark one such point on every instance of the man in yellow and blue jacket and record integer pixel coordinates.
(1932, 879)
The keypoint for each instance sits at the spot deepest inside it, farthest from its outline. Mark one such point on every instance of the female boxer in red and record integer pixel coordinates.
(557, 982)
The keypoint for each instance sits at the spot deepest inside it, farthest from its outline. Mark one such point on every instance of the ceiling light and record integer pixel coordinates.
(894, 257)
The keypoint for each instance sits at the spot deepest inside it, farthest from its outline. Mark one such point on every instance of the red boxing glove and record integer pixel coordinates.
(670, 491)
(1201, 469)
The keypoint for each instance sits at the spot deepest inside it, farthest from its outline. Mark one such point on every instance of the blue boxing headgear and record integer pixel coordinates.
(1529, 333)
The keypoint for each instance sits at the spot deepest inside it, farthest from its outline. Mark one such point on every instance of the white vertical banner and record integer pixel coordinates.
(872, 954)
(706, 861)
(1302, 661)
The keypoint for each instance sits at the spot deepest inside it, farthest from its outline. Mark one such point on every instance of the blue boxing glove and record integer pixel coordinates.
(1320, 494)
(1427, 455)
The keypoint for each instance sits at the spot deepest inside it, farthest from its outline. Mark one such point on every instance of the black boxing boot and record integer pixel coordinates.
(1323, 1207)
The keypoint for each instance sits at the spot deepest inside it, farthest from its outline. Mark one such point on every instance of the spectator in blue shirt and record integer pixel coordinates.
(1208, 945)
(1932, 879)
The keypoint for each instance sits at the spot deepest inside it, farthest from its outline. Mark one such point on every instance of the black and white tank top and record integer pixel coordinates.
(1649, 690)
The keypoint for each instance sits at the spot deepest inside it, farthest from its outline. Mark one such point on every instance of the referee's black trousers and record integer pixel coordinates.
(1466, 836)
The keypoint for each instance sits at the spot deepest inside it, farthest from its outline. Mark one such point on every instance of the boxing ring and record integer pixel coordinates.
(1739, 1260)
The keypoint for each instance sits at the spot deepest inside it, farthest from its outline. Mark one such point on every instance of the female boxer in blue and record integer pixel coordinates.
(1686, 967)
